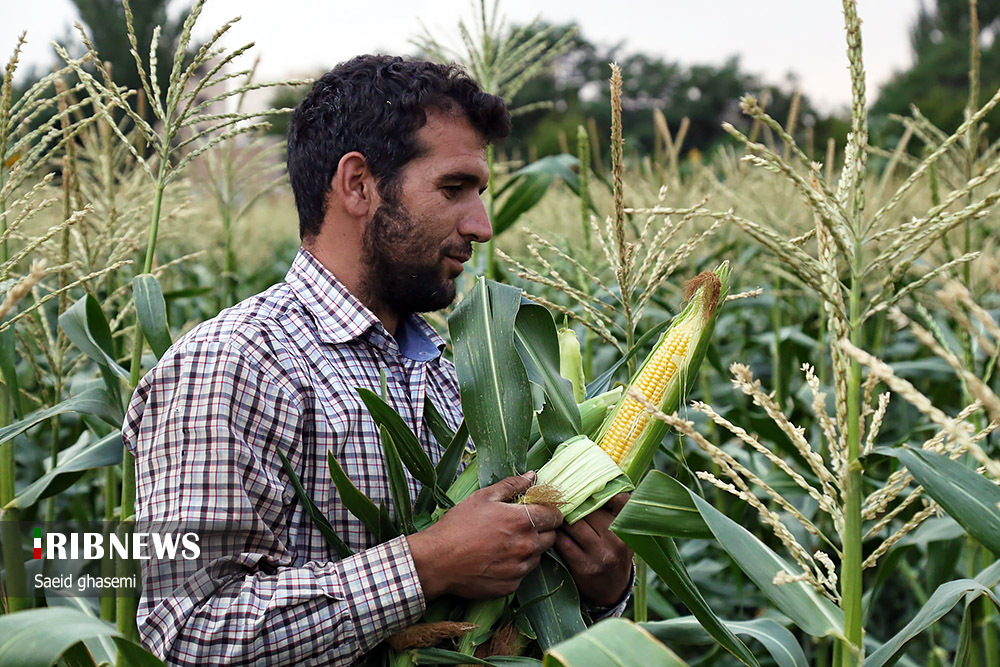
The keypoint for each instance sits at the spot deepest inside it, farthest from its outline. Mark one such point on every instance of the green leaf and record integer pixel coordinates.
(526, 187)
(561, 166)
(404, 440)
(944, 598)
(398, 486)
(8, 367)
(436, 423)
(613, 642)
(151, 309)
(814, 614)
(538, 345)
(440, 656)
(554, 613)
(661, 554)
(85, 324)
(777, 639)
(496, 395)
(73, 462)
(968, 497)
(447, 467)
(40, 637)
(93, 401)
(377, 522)
(86, 327)
(322, 523)
(660, 500)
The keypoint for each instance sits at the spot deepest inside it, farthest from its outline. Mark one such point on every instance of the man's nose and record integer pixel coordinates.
(476, 223)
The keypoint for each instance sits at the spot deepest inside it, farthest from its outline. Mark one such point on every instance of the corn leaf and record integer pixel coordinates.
(776, 638)
(411, 453)
(85, 324)
(496, 394)
(814, 614)
(554, 611)
(322, 523)
(944, 598)
(94, 401)
(661, 554)
(151, 309)
(447, 467)
(8, 367)
(611, 643)
(659, 500)
(538, 345)
(436, 423)
(73, 462)
(528, 185)
(968, 497)
(40, 637)
(376, 520)
(440, 656)
(398, 487)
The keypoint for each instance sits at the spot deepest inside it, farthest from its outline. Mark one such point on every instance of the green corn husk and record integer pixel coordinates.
(578, 470)
(571, 362)
(593, 412)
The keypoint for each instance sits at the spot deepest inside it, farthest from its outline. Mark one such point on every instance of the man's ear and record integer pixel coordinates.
(354, 183)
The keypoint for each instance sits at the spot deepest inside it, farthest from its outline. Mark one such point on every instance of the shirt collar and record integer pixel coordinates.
(340, 317)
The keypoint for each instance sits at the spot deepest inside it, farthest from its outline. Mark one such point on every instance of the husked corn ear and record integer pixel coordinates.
(628, 436)
(662, 366)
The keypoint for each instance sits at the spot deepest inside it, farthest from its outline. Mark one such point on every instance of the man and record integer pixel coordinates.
(387, 161)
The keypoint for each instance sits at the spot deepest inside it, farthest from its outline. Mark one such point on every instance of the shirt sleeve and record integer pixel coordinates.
(205, 426)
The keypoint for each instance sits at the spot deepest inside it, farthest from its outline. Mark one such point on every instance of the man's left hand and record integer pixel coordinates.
(601, 564)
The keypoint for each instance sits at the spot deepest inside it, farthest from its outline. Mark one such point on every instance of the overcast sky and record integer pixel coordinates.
(771, 37)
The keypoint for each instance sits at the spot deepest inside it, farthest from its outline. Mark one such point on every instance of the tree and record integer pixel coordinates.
(938, 81)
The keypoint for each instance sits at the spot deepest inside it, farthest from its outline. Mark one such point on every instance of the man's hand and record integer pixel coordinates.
(484, 545)
(601, 564)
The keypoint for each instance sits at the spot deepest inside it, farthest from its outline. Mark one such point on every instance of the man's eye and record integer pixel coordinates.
(452, 190)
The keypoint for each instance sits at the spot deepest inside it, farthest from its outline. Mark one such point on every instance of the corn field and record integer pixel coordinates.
(811, 445)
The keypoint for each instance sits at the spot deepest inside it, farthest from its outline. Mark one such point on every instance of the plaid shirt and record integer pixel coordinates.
(278, 371)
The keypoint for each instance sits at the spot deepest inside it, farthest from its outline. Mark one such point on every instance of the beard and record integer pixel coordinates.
(402, 270)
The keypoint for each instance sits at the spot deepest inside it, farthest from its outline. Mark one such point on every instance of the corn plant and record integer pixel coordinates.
(859, 268)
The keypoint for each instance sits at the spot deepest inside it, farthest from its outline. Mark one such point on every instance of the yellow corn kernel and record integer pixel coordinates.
(652, 381)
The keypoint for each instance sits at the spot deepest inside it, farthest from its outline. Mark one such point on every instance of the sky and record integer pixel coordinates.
(771, 37)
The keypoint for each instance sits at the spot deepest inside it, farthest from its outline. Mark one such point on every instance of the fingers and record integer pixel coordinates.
(509, 488)
(544, 518)
(616, 503)
(568, 548)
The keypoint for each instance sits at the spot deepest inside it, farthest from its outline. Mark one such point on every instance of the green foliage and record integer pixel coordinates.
(937, 82)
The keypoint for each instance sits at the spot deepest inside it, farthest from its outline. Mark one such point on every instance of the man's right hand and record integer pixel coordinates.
(484, 545)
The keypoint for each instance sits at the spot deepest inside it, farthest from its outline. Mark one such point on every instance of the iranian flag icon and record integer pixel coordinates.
(38, 542)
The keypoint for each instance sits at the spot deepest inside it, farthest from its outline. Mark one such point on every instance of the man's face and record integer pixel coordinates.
(415, 244)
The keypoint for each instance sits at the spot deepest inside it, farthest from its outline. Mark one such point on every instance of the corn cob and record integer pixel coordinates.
(628, 438)
(628, 435)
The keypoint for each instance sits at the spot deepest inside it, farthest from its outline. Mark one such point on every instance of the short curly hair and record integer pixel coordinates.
(375, 105)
